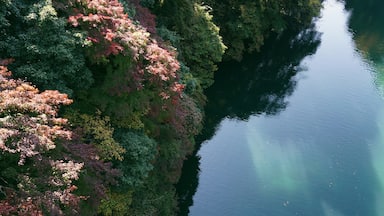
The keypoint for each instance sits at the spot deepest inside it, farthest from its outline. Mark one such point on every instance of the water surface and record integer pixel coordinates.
(299, 128)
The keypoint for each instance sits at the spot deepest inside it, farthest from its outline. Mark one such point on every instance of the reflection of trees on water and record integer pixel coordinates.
(261, 82)
(257, 85)
(366, 26)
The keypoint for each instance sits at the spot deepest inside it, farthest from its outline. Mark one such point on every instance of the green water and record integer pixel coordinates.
(299, 128)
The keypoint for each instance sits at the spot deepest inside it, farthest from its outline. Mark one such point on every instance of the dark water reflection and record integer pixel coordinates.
(290, 135)
(261, 82)
(367, 28)
(257, 85)
(366, 25)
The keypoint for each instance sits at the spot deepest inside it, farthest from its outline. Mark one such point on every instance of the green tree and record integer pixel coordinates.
(246, 23)
(45, 52)
(200, 45)
(140, 151)
(97, 131)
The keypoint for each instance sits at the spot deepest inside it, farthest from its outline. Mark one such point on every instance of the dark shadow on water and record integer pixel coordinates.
(259, 84)
(367, 28)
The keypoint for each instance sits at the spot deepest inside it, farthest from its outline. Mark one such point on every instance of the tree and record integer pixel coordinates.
(41, 159)
(45, 52)
(246, 23)
(200, 44)
(37, 181)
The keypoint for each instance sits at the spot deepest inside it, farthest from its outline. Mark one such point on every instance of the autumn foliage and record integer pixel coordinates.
(29, 129)
(29, 122)
(112, 32)
(137, 105)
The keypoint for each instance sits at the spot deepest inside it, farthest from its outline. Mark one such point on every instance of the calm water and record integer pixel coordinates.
(299, 128)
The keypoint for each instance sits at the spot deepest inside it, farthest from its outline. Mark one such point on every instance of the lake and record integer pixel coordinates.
(297, 129)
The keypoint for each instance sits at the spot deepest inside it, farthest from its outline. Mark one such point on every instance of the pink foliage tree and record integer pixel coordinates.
(30, 129)
(112, 32)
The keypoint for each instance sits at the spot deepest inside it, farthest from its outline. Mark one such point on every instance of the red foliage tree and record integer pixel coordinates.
(145, 17)
(112, 32)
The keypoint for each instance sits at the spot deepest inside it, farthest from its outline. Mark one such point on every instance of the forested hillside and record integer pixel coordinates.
(101, 99)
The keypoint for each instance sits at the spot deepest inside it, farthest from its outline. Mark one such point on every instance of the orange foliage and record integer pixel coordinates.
(29, 117)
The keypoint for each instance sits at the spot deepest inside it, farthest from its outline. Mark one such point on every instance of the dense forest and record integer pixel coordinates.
(101, 100)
